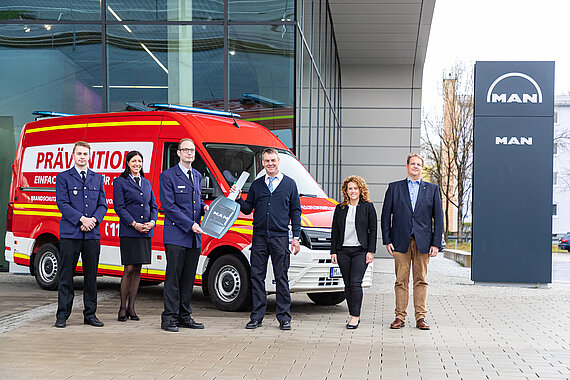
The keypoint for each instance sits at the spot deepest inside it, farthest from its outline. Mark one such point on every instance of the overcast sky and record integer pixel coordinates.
(496, 30)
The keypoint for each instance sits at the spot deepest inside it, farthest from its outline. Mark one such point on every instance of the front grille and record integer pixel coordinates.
(326, 281)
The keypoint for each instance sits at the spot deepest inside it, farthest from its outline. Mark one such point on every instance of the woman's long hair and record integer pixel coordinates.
(130, 155)
(364, 194)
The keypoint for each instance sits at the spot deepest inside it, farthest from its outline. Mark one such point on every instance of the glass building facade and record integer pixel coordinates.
(272, 61)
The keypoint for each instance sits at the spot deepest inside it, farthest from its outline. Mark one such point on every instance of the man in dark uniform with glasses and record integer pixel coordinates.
(180, 189)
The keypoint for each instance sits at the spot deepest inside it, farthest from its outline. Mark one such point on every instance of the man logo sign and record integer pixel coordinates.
(513, 140)
(493, 97)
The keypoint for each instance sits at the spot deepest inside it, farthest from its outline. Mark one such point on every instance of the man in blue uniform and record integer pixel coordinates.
(180, 188)
(275, 199)
(80, 197)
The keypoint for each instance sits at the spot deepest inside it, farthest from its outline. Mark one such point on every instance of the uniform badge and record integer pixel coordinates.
(74, 192)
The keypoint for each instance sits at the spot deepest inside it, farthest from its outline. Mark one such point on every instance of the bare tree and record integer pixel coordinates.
(448, 143)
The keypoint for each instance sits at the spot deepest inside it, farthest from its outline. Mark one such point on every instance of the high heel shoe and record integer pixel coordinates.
(133, 316)
(122, 318)
(353, 327)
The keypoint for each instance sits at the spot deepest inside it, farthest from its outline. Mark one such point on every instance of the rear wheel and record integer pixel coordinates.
(229, 286)
(327, 298)
(47, 266)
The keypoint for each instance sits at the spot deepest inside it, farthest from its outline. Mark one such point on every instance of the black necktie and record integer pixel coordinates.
(190, 176)
(138, 181)
(83, 175)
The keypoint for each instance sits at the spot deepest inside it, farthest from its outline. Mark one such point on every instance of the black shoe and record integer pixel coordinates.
(190, 323)
(133, 316)
(60, 323)
(169, 326)
(253, 324)
(353, 327)
(285, 325)
(93, 321)
(121, 318)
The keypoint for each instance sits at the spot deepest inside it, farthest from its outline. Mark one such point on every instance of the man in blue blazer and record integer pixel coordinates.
(412, 226)
(80, 197)
(180, 190)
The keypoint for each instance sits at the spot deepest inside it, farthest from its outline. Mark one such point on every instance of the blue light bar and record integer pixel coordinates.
(179, 108)
(51, 114)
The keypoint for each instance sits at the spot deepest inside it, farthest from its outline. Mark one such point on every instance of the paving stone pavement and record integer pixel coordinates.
(478, 332)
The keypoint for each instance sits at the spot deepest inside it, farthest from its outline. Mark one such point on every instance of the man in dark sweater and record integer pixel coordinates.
(276, 202)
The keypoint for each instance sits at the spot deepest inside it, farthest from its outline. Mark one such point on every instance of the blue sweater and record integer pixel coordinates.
(273, 211)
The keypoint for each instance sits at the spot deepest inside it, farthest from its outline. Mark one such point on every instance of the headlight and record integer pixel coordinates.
(316, 238)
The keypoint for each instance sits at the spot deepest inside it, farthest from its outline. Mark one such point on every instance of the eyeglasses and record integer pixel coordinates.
(187, 150)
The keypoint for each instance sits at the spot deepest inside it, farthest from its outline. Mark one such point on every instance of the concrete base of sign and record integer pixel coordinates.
(461, 257)
(514, 284)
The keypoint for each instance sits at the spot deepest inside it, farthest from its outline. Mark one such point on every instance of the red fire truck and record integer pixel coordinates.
(224, 148)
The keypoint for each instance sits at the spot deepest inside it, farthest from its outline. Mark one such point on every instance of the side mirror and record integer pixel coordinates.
(208, 192)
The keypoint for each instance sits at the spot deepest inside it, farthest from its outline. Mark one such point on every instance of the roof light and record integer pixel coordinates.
(51, 114)
(179, 108)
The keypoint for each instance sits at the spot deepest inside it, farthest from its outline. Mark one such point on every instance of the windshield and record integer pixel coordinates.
(232, 159)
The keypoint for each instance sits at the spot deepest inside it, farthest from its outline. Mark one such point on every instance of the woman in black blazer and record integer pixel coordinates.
(135, 205)
(353, 241)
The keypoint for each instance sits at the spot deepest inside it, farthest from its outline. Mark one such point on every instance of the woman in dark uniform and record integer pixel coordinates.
(135, 205)
(353, 241)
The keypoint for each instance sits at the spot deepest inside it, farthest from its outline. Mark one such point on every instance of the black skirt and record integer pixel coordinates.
(135, 250)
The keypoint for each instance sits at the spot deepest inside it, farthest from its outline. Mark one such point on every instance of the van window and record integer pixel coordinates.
(233, 159)
(210, 188)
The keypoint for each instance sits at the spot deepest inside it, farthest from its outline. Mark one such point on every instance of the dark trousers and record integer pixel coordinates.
(181, 263)
(352, 263)
(262, 248)
(69, 250)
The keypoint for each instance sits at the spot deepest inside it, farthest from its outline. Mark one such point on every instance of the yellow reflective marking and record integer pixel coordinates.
(123, 123)
(111, 267)
(107, 124)
(333, 201)
(47, 207)
(37, 213)
(307, 220)
(242, 230)
(244, 222)
(156, 271)
(21, 256)
(56, 127)
(24, 205)
(112, 218)
(270, 118)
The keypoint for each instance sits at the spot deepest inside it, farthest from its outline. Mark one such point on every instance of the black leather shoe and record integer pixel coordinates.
(285, 325)
(190, 323)
(133, 316)
(353, 327)
(60, 323)
(122, 318)
(169, 326)
(93, 321)
(253, 324)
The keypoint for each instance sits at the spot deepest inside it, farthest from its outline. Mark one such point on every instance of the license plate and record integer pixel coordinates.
(335, 272)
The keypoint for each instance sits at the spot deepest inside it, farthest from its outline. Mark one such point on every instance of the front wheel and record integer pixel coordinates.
(327, 298)
(229, 285)
(47, 266)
